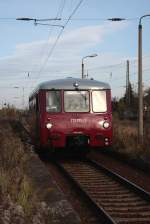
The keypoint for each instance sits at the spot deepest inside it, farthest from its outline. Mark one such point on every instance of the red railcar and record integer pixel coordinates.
(71, 112)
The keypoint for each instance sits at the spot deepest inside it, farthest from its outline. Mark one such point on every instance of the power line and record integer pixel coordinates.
(106, 67)
(59, 14)
(58, 37)
(96, 19)
(5, 18)
(98, 69)
(25, 72)
(76, 19)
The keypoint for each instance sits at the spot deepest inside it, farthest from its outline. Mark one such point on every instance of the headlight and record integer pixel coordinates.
(49, 125)
(106, 124)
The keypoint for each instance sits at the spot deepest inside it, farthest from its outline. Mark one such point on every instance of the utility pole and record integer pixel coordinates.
(82, 69)
(23, 97)
(140, 87)
(140, 84)
(127, 84)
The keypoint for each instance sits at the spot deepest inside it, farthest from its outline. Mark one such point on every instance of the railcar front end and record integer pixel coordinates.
(74, 115)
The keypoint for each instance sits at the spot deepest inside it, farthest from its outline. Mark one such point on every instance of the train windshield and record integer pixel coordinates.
(53, 101)
(99, 101)
(76, 101)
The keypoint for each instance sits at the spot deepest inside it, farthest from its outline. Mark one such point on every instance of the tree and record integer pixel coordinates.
(127, 106)
(147, 97)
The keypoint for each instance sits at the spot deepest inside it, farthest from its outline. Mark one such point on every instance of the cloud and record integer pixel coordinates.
(66, 58)
(70, 47)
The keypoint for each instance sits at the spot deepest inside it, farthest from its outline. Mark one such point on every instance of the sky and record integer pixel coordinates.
(32, 54)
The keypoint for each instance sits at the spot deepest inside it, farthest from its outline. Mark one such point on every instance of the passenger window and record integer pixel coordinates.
(37, 104)
(53, 101)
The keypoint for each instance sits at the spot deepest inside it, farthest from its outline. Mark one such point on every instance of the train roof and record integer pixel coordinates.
(71, 84)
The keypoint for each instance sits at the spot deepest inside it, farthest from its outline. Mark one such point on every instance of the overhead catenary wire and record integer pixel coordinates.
(74, 19)
(58, 37)
(58, 14)
(96, 69)
(105, 69)
(56, 72)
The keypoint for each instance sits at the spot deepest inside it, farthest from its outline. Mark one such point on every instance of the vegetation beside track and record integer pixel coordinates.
(19, 202)
(125, 124)
(125, 139)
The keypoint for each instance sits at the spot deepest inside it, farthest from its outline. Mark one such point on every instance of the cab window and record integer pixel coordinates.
(53, 101)
(99, 101)
(76, 101)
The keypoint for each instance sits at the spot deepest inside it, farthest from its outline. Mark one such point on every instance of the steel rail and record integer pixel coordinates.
(78, 175)
(144, 194)
(100, 211)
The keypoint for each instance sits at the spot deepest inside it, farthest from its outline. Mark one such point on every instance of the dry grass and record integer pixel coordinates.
(13, 159)
(9, 113)
(126, 138)
(19, 201)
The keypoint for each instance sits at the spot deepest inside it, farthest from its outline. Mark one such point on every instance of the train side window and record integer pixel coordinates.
(34, 104)
(37, 104)
(99, 101)
(53, 101)
(31, 105)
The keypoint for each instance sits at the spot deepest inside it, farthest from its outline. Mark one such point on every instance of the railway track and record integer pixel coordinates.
(115, 199)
